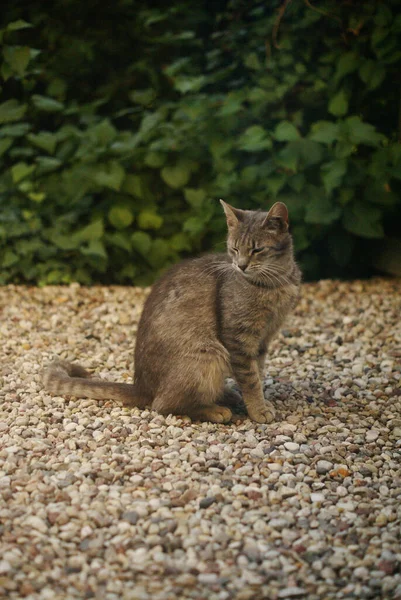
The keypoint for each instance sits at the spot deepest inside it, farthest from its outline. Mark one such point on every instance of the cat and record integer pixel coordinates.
(206, 319)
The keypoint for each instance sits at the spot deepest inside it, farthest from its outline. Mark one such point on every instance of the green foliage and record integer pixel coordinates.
(119, 135)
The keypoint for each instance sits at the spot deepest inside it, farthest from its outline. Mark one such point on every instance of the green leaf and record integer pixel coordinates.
(96, 249)
(180, 242)
(143, 97)
(254, 139)
(300, 237)
(275, 183)
(120, 217)
(11, 110)
(47, 104)
(362, 133)
(286, 132)
(149, 220)
(93, 231)
(158, 253)
(189, 84)
(43, 140)
(21, 170)
(372, 74)
(19, 24)
(232, 104)
(5, 143)
(103, 133)
(320, 210)
(120, 239)
(344, 149)
(311, 152)
(110, 175)
(177, 176)
(297, 182)
(194, 226)
(288, 157)
(16, 130)
(325, 132)
(348, 63)
(133, 186)
(46, 164)
(332, 174)
(18, 58)
(194, 197)
(155, 160)
(363, 220)
(64, 242)
(338, 105)
(9, 259)
(252, 61)
(36, 196)
(141, 242)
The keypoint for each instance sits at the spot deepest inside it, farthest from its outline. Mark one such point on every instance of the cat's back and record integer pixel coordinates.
(186, 293)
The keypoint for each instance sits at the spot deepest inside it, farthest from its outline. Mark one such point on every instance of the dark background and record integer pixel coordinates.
(121, 126)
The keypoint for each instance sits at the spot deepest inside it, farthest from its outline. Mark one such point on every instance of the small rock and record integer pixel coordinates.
(323, 466)
(131, 516)
(5, 566)
(381, 520)
(36, 523)
(206, 502)
(372, 435)
(291, 446)
(292, 592)
(317, 497)
(207, 578)
(252, 551)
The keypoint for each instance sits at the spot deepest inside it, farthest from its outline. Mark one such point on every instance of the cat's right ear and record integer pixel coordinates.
(233, 215)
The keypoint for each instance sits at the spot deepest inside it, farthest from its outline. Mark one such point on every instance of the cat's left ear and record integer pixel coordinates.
(233, 215)
(277, 217)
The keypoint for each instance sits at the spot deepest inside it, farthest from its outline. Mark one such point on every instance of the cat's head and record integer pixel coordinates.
(259, 243)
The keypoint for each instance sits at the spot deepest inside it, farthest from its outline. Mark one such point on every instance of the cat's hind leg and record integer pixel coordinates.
(192, 404)
(194, 387)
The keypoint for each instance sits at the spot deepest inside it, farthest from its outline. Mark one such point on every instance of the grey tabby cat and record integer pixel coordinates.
(207, 318)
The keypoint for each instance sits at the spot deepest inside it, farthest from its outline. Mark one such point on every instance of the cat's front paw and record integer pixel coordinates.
(262, 414)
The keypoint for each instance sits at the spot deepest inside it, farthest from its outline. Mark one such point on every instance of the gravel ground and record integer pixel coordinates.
(99, 501)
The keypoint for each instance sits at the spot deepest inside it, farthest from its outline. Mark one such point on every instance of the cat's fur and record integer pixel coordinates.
(207, 318)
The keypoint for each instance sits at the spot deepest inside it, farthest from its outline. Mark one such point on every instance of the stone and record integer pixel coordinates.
(323, 467)
(291, 446)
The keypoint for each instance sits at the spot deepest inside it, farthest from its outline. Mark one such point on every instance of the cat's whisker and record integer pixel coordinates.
(279, 277)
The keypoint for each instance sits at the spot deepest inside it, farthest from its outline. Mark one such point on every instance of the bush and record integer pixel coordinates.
(121, 128)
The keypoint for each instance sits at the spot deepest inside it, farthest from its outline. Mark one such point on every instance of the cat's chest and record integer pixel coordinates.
(276, 304)
(269, 309)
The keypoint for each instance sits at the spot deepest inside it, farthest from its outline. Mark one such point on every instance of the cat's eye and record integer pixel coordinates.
(258, 250)
(234, 249)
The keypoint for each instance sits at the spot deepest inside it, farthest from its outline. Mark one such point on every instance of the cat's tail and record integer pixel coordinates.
(65, 378)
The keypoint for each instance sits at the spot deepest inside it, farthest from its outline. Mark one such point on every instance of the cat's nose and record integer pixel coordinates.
(242, 266)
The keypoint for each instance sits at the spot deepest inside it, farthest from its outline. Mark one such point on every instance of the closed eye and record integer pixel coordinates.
(234, 249)
(258, 250)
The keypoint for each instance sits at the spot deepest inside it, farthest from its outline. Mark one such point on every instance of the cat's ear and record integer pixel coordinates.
(277, 217)
(233, 215)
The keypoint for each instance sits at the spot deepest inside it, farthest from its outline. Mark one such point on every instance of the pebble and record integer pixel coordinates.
(206, 502)
(372, 435)
(36, 523)
(291, 446)
(323, 466)
(292, 592)
(106, 501)
(317, 497)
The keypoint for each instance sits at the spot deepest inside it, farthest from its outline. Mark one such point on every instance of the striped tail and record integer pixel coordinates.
(64, 378)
